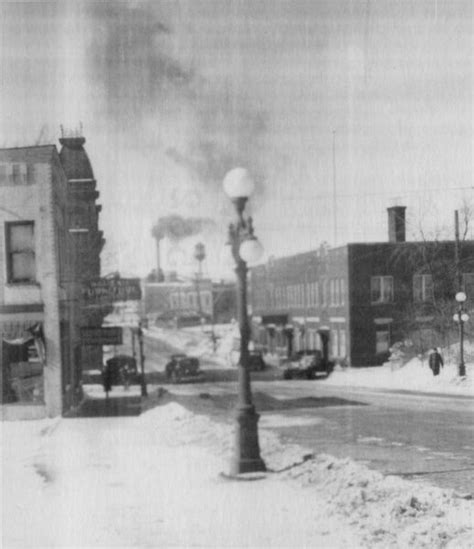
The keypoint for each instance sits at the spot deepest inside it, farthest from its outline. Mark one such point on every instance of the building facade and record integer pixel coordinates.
(355, 301)
(42, 266)
(178, 302)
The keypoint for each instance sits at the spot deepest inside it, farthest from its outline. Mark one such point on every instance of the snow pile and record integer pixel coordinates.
(153, 480)
(388, 511)
(415, 375)
(385, 511)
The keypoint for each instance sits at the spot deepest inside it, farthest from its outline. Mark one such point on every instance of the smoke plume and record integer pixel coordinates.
(176, 227)
(204, 128)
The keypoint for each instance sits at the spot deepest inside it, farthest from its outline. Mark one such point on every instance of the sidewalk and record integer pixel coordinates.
(154, 481)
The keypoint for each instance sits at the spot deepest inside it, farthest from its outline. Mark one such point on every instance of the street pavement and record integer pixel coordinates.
(425, 437)
(415, 436)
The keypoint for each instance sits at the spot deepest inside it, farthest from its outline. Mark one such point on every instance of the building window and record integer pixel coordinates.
(382, 339)
(174, 300)
(381, 289)
(423, 288)
(20, 246)
(343, 291)
(337, 291)
(316, 293)
(335, 343)
(332, 293)
(468, 282)
(324, 293)
(206, 302)
(14, 174)
(342, 343)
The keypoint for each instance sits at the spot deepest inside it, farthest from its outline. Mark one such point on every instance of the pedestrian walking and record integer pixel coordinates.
(107, 379)
(435, 361)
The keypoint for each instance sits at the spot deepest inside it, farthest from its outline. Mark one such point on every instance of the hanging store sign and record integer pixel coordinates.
(101, 335)
(102, 291)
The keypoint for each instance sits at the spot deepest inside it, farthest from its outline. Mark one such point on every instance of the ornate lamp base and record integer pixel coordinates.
(247, 451)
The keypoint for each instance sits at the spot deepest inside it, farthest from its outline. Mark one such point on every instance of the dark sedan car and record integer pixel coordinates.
(256, 361)
(182, 366)
(308, 364)
(120, 370)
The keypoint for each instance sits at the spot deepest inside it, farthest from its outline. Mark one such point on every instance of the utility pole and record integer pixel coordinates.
(334, 190)
(456, 252)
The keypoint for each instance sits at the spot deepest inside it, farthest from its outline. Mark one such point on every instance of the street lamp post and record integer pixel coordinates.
(245, 248)
(461, 317)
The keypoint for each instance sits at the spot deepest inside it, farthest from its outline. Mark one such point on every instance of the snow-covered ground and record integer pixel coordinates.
(153, 481)
(415, 375)
(198, 342)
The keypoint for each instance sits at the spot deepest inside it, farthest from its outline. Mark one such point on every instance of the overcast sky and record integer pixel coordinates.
(369, 101)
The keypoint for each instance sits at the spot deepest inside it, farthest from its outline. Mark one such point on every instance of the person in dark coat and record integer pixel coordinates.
(107, 378)
(435, 361)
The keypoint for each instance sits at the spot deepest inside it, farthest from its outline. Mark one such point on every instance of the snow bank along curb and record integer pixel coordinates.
(385, 511)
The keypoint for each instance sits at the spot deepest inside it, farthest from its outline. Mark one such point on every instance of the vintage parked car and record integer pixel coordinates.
(256, 361)
(182, 366)
(308, 363)
(120, 370)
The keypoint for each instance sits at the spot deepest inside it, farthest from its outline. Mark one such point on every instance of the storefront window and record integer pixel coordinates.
(22, 371)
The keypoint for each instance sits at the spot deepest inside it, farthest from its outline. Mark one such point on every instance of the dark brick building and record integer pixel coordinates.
(50, 244)
(355, 301)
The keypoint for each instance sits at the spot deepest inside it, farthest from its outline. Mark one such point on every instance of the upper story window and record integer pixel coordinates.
(381, 289)
(324, 292)
(174, 301)
(206, 301)
(423, 288)
(13, 174)
(468, 284)
(20, 251)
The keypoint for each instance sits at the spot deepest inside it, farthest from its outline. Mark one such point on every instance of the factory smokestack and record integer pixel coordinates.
(159, 271)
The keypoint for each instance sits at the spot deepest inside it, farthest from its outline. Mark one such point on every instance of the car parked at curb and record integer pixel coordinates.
(120, 370)
(307, 363)
(256, 361)
(182, 366)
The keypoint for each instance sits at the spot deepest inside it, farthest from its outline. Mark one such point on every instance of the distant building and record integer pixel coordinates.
(355, 301)
(49, 244)
(178, 302)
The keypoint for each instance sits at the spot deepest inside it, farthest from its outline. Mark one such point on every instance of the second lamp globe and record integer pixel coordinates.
(251, 250)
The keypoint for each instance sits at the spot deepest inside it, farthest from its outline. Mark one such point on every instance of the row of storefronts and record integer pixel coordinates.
(355, 301)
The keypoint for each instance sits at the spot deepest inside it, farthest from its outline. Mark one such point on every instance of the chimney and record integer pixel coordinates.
(396, 223)
(159, 272)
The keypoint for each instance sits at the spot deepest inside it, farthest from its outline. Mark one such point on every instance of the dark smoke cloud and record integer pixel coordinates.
(176, 227)
(145, 85)
(130, 61)
(227, 136)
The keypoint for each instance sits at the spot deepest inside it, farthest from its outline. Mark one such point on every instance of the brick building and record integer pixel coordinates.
(47, 248)
(176, 301)
(357, 300)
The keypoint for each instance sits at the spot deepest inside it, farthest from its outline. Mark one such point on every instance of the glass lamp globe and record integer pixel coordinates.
(456, 317)
(251, 250)
(238, 183)
(464, 317)
(460, 297)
